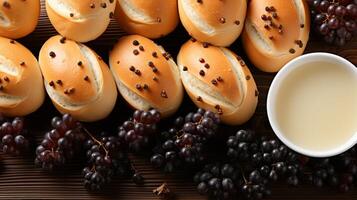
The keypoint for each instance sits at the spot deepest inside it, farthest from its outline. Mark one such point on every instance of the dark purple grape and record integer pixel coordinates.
(341, 11)
(352, 10)
(333, 23)
(324, 5)
(324, 28)
(351, 26)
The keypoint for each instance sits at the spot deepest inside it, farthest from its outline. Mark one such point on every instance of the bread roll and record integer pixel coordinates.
(218, 80)
(152, 19)
(21, 83)
(80, 20)
(18, 18)
(276, 31)
(213, 21)
(77, 79)
(146, 75)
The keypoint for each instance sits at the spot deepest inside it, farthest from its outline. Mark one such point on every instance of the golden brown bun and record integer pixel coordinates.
(216, 22)
(146, 75)
(18, 18)
(270, 46)
(80, 20)
(77, 80)
(21, 83)
(152, 19)
(218, 80)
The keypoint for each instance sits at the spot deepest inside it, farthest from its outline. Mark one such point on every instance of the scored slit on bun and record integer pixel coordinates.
(218, 80)
(152, 19)
(77, 80)
(275, 32)
(216, 22)
(146, 75)
(21, 83)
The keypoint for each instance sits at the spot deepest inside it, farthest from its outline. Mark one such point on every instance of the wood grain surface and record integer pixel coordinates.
(20, 179)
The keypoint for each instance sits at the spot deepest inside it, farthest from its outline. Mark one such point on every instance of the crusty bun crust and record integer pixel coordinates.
(152, 19)
(216, 22)
(275, 32)
(80, 20)
(21, 83)
(146, 75)
(77, 80)
(218, 80)
(18, 18)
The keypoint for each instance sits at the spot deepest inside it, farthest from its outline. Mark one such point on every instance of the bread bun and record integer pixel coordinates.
(18, 18)
(146, 75)
(275, 32)
(21, 83)
(218, 80)
(80, 20)
(77, 79)
(152, 19)
(216, 22)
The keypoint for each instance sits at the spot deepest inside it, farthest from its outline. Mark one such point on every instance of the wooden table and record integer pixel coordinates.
(20, 179)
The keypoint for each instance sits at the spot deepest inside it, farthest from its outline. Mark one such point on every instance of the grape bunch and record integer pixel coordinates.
(335, 20)
(337, 172)
(14, 136)
(105, 158)
(61, 143)
(184, 144)
(136, 131)
(231, 181)
(218, 180)
(269, 158)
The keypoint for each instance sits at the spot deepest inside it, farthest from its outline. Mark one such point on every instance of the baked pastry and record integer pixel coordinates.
(18, 18)
(218, 80)
(21, 83)
(80, 20)
(275, 32)
(216, 22)
(146, 75)
(152, 19)
(77, 79)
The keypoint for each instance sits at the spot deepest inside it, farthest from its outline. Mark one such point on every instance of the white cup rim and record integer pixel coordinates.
(281, 75)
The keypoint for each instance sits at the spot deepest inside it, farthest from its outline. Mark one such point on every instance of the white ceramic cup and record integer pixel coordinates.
(273, 91)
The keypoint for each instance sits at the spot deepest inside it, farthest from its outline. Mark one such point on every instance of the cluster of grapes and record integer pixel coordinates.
(61, 143)
(218, 180)
(254, 162)
(136, 131)
(229, 181)
(336, 20)
(105, 159)
(337, 172)
(184, 144)
(13, 136)
(270, 158)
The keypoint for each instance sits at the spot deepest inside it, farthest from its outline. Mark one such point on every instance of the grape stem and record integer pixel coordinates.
(96, 141)
(244, 178)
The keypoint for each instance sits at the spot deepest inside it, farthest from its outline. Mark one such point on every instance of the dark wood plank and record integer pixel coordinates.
(20, 179)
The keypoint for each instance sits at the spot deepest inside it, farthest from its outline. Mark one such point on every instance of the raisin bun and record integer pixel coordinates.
(80, 20)
(152, 19)
(218, 80)
(21, 83)
(275, 32)
(213, 21)
(146, 75)
(77, 80)
(18, 18)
